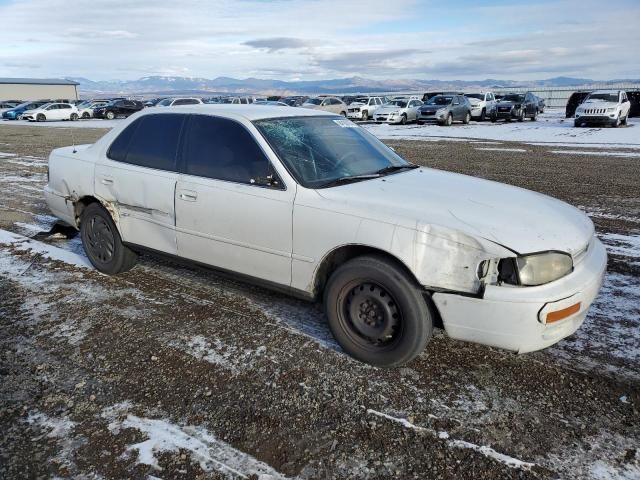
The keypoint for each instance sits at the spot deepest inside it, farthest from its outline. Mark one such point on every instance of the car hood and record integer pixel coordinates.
(434, 107)
(389, 108)
(598, 104)
(518, 219)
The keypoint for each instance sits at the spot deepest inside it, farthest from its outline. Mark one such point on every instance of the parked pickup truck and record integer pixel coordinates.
(308, 202)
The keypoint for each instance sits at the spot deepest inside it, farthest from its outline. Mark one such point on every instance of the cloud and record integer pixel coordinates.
(120, 39)
(276, 44)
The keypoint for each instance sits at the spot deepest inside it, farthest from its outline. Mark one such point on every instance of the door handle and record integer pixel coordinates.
(106, 181)
(188, 195)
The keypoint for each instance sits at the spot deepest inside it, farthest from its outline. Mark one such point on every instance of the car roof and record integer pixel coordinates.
(246, 112)
(613, 92)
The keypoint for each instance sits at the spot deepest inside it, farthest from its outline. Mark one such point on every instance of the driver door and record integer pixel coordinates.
(229, 214)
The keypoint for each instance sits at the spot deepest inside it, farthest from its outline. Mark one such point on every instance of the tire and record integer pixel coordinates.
(86, 115)
(386, 333)
(483, 115)
(449, 120)
(616, 124)
(577, 123)
(344, 114)
(521, 116)
(41, 118)
(419, 122)
(626, 119)
(403, 119)
(494, 119)
(73, 117)
(535, 116)
(467, 118)
(110, 115)
(102, 242)
(365, 116)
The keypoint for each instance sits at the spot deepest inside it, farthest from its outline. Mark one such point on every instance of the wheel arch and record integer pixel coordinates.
(339, 255)
(83, 202)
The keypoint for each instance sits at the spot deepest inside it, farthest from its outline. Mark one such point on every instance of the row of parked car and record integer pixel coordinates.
(601, 107)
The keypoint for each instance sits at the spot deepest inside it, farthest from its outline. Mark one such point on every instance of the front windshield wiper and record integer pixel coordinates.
(349, 179)
(394, 168)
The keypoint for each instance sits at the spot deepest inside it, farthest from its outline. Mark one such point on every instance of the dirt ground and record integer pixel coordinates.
(174, 372)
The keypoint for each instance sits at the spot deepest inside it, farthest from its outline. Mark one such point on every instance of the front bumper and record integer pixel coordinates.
(354, 114)
(385, 118)
(430, 117)
(597, 119)
(506, 114)
(512, 317)
(9, 115)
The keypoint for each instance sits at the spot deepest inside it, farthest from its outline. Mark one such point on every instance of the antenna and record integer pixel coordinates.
(73, 141)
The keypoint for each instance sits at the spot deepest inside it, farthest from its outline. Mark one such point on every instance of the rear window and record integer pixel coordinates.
(152, 142)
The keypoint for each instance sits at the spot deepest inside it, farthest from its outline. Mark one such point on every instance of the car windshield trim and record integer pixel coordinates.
(301, 151)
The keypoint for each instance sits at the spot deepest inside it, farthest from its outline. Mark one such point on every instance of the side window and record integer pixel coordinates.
(118, 149)
(64, 105)
(154, 142)
(223, 149)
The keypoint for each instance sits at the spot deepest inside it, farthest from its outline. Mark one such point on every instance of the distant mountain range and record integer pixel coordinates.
(163, 85)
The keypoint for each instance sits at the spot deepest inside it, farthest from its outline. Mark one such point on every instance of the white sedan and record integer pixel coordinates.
(51, 111)
(176, 102)
(400, 111)
(310, 203)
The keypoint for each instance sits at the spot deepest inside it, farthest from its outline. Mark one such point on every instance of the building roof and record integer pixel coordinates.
(37, 81)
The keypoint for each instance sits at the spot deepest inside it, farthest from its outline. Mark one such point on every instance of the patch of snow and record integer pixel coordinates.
(442, 435)
(7, 155)
(22, 243)
(550, 127)
(214, 351)
(58, 427)
(603, 153)
(163, 436)
(584, 145)
(497, 149)
(623, 245)
(88, 123)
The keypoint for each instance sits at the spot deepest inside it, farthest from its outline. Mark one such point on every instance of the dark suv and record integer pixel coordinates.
(118, 108)
(516, 106)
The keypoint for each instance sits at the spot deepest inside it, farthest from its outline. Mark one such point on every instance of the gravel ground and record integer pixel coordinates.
(170, 371)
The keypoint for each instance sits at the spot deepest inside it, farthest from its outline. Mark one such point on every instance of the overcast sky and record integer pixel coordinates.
(320, 39)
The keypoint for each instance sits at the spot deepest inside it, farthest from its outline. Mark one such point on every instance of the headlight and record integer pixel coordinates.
(541, 268)
(440, 111)
(611, 109)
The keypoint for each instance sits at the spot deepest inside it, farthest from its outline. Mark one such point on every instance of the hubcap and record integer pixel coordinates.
(100, 239)
(372, 315)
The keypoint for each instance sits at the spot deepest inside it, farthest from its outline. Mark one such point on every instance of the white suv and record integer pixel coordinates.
(308, 202)
(481, 104)
(604, 107)
(364, 107)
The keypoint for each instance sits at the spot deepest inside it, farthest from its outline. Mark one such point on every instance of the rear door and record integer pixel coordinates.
(228, 214)
(138, 177)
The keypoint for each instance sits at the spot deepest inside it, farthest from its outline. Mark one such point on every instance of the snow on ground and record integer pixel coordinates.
(163, 436)
(624, 245)
(442, 435)
(551, 127)
(88, 123)
(587, 152)
(21, 243)
(215, 351)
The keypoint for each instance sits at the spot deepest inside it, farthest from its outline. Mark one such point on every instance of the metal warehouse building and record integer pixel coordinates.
(37, 89)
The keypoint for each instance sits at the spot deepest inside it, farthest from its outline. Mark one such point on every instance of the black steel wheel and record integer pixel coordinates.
(376, 311)
(102, 242)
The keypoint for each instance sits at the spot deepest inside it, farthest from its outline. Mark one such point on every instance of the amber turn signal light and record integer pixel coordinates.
(564, 313)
